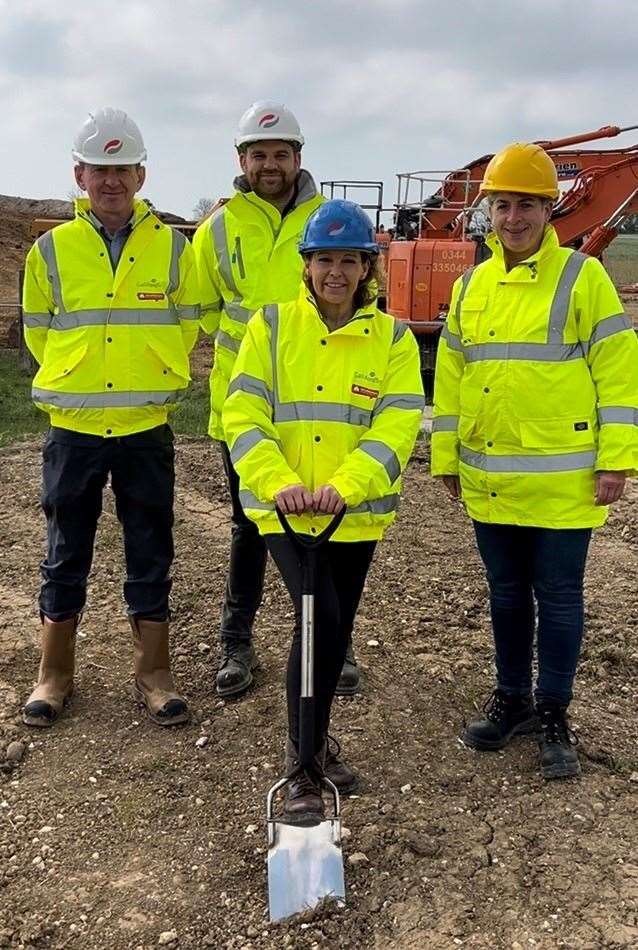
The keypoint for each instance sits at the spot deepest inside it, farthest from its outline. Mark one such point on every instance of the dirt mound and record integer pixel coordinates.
(115, 834)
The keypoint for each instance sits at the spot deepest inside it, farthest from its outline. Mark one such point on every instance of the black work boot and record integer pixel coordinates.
(337, 771)
(558, 757)
(506, 716)
(235, 674)
(348, 683)
(303, 804)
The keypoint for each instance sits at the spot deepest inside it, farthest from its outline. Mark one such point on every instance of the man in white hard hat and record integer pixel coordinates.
(111, 311)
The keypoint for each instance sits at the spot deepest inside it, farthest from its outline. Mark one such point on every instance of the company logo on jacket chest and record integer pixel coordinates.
(154, 293)
(366, 384)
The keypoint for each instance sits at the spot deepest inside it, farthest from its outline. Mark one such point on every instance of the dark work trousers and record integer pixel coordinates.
(341, 574)
(75, 471)
(246, 568)
(548, 565)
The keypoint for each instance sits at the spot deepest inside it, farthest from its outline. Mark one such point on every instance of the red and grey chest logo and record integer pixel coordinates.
(364, 391)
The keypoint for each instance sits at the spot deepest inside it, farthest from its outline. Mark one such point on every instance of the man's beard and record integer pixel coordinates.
(274, 190)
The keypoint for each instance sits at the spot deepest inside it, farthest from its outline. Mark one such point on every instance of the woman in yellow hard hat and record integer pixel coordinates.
(536, 400)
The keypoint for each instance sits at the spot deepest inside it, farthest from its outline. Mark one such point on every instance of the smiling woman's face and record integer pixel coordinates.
(335, 275)
(519, 222)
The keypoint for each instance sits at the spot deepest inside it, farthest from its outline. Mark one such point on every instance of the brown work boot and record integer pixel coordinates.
(335, 769)
(154, 687)
(303, 804)
(55, 679)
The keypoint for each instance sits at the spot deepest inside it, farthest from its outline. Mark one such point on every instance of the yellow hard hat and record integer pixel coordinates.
(524, 168)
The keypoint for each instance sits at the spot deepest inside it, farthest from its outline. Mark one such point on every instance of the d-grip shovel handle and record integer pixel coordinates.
(308, 549)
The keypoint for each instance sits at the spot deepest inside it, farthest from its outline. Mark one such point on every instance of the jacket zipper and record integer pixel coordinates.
(239, 258)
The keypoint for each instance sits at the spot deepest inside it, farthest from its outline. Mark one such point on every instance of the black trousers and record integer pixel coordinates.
(342, 571)
(75, 471)
(246, 568)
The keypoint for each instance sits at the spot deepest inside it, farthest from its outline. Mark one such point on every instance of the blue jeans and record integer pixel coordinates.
(547, 565)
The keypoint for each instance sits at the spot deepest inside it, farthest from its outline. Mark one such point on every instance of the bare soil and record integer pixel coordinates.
(116, 834)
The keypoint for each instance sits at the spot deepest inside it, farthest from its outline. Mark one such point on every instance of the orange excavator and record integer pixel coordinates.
(440, 235)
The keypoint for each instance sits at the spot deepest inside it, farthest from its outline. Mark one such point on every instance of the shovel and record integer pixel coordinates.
(305, 864)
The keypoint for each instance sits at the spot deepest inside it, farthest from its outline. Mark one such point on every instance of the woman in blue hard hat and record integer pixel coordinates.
(322, 411)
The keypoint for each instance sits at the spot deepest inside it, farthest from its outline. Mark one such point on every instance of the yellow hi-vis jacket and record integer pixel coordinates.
(112, 346)
(312, 406)
(536, 388)
(247, 257)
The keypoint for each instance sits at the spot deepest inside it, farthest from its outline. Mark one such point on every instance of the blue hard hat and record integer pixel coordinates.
(339, 225)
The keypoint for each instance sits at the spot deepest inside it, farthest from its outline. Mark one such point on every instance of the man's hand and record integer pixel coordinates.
(609, 487)
(294, 499)
(453, 484)
(327, 500)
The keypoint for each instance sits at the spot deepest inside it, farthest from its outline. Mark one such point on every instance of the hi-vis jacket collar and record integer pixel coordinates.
(547, 246)
(141, 210)
(306, 187)
(352, 327)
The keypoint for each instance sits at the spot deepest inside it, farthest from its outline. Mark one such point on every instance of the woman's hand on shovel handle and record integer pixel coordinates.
(327, 501)
(294, 499)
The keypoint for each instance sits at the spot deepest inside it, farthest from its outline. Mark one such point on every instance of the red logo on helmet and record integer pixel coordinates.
(113, 146)
(267, 121)
(336, 227)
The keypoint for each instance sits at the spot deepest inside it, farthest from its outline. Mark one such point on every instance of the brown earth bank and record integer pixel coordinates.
(116, 834)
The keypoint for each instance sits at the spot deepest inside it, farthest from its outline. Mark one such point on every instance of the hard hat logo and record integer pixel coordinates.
(335, 228)
(268, 121)
(113, 147)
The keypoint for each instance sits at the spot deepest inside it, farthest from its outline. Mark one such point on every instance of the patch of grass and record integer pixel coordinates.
(191, 415)
(19, 418)
(621, 259)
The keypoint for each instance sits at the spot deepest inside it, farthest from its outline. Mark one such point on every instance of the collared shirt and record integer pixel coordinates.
(114, 242)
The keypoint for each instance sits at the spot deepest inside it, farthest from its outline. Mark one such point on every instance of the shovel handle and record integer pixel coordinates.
(303, 541)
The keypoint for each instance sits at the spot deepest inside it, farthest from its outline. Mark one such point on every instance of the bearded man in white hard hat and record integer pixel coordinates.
(111, 312)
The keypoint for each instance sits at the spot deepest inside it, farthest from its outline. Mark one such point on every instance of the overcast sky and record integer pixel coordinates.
(379, 86)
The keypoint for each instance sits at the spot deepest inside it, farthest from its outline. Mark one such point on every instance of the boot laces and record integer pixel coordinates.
(334, 748)
(554, 726)
(497, 706)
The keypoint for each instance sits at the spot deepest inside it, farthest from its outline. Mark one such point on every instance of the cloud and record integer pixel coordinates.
(380, 86)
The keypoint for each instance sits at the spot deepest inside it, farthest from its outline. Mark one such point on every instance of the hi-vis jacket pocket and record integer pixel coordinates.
(557, 433)
(58, 365)
(472, 308)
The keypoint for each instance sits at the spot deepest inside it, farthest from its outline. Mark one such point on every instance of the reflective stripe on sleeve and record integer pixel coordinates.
(245, 442)
(236, 312)
(465, 282)
(399, 330)
(34, 320)
(565, 462)
(252, 385)
(377, 506)
(227, 342)
(46, 247)
(624, 415)
(220, 241)
(452, 339)
(177, 249)
(104, 400)
(610, 326)
(383, 454)
(562, 295)
(407, 401)
(445, 423)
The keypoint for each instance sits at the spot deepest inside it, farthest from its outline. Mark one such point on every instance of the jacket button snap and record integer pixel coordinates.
(492, 332)
(493, 494)
(319, 389)
(486, 389)
(165, 372)
(490, 444)
(324, 342)
(109, 295)
(109, 385)
(317, 438)
(108, 431)
(109, 339)
(131, 259)
(157, 227)
(366, 330)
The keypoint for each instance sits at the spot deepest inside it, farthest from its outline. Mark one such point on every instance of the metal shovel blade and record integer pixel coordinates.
(305, 865)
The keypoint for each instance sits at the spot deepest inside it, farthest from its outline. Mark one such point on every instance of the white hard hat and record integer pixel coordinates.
(109, 137)
(268, 120)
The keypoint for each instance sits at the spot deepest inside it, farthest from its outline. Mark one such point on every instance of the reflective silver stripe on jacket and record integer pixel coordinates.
(562, 295)
(271, 316)
(226, 341)
(407, 401)
(124, 316)
(398, 331)
(177, 249)
(445, 424)
(34, 320)
(245, 442)
(383, 454)
(624, 415)
(236, 312)
(306, 411)
(246, 383)
(47, 249)
(109, 400)
(537, 352)
(609, 326)
(190, 312)
(452, 339)
(465, 282)
(523, 464)
(218, 227)
(377, 506)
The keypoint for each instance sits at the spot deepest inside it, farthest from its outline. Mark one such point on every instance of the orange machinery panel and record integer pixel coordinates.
(420, 278)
